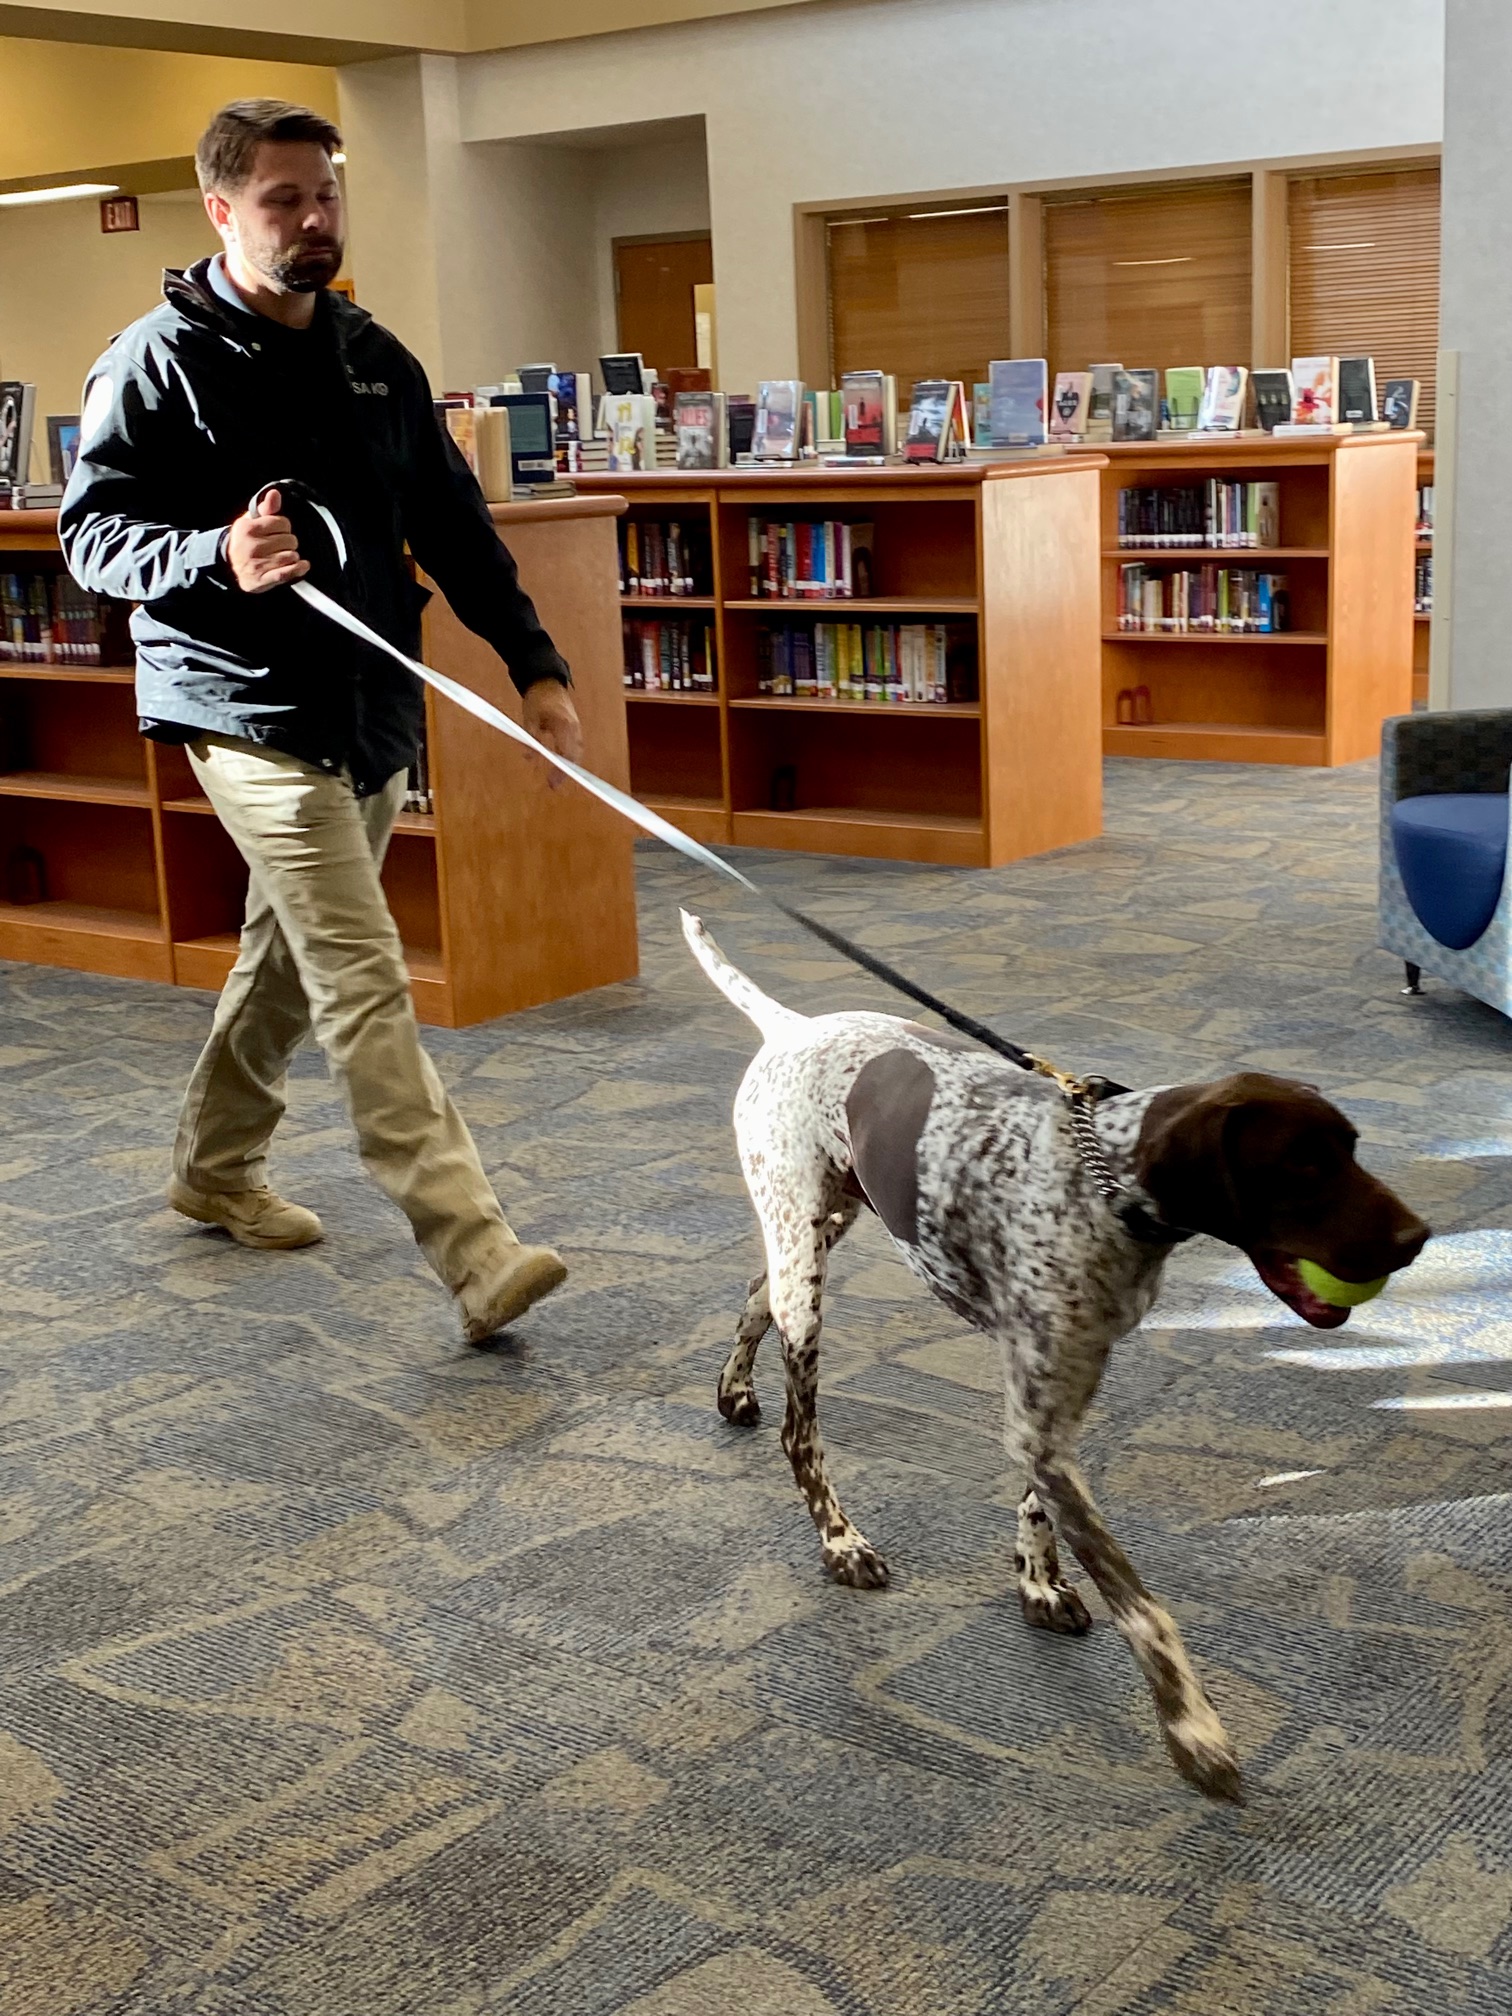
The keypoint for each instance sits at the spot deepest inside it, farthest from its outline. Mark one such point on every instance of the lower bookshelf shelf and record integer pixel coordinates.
(74, 790)
(90, 937)
(1218, 742)
(942, 839)
(702, 819)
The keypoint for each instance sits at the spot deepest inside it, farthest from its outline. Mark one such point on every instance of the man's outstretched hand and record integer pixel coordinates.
(550, 716)
(261, 549)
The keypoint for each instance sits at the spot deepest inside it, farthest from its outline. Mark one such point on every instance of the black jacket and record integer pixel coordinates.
(191, 411)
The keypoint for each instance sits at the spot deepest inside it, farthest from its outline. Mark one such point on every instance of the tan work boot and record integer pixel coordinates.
(253, 1217)
(528, 1274)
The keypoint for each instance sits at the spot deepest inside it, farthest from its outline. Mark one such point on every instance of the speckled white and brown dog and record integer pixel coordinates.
(971, 1165)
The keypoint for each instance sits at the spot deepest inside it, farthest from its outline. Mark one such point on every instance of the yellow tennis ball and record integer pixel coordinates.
(1341, 1294)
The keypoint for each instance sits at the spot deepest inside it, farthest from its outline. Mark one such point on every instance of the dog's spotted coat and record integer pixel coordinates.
(970, 1164)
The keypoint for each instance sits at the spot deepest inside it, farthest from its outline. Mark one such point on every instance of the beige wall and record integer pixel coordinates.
(68, 288)
(72, 106)
(868, 98)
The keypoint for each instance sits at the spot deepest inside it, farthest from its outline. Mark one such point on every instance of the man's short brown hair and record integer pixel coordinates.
(228, 146)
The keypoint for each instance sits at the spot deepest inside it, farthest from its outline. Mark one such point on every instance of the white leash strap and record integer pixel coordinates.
(482, 710)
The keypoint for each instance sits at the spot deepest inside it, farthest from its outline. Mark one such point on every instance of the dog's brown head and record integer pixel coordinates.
(1267, 1164)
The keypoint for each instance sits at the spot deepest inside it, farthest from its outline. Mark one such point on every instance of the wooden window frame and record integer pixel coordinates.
(1270, 342)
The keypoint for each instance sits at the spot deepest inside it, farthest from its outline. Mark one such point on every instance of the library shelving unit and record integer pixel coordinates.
(509, 894)
(1318, 692)
(1005, 555)
(1422, 624)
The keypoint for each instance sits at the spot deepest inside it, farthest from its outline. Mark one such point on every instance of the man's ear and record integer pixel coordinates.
(1181, 1158)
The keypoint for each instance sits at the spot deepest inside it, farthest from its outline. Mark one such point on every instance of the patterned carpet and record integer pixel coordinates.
(345, 1672)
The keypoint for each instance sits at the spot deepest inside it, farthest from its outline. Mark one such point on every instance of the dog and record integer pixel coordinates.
(972, 1166)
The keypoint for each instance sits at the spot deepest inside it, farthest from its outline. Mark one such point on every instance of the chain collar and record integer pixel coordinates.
(1081, 1096)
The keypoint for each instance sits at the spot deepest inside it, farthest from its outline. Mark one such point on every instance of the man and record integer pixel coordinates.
(250, 372)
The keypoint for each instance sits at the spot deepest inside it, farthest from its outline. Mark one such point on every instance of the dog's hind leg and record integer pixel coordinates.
(1046, 1601)
(798, 1248)
(736, 1392)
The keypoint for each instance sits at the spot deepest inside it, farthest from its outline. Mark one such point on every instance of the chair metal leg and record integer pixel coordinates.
(1414, 978)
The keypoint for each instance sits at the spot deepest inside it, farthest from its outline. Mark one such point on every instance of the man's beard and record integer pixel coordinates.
(306, 267)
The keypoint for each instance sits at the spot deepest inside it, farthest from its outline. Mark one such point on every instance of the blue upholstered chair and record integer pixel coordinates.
(1445, 902)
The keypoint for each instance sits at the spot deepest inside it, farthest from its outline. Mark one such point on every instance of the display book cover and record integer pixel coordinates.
(1020, 394)
(624, 372)
(869, 401)
(779, 420)
(1184, 387)
(1222, 409)
(532, 434)
(1357, 391)
(18, 405)
(702, 442)
(936, 419)
(629, 421)
(1100, 402)
(1399, 402)
(1068, 405)
(1275, 398)
(1136, 405)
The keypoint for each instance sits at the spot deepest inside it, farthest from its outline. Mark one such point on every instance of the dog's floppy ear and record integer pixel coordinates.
(1181, 1158)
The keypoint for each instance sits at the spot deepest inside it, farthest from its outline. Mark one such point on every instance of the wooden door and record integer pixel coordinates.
(653, 284)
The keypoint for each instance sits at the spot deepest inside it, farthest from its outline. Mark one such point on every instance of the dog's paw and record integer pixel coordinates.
(740, 1406)
(1053, 1606)
(1200, 1751)
(858, 1566)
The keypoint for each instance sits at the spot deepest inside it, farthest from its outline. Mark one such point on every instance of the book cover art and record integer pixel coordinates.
(1357, 390)
(459, 423)
(1399, 402)
(16, 402)
(1274, 398)
(1222, 410)
(981, 415)
(1185, 384)
(1316, 380)
(630, 423)
(740, 416)
(62, 445)
(700, 430)
(1267, 514)
(623, 373)
(1100, 402)
(779, 419)
(1136, 405)
(1019, 398)
(1068, 407)
(929, 411)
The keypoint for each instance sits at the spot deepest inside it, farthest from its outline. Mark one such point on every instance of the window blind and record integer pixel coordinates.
(921, 294)
(1157, 275)
(1363, 253)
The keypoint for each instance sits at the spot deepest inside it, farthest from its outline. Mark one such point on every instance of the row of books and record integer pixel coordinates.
(46, 618)
(1425, 511)
(664, 656)
(807, 559)
(1215, 513)
(1225, 600)
(1111, 402)
(1422, 587)
(665, 557)
(888, 664)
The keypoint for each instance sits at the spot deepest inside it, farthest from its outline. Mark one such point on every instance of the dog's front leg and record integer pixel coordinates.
(1188, 1721)
(1047, 1602)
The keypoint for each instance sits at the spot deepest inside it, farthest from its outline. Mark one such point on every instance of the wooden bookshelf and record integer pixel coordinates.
(1006, 554)
(1318, 692)
(1422, 625)
(510, 894)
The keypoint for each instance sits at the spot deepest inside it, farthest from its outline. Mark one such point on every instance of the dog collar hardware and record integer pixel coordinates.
(1082, 1095)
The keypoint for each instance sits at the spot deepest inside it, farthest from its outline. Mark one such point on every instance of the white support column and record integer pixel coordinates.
(1471, 574)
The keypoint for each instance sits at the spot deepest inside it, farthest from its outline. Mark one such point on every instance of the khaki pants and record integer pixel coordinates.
(320, 951)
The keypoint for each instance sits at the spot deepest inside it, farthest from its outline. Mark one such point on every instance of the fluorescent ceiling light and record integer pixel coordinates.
(338, 160)
(65, 194)
(1357, 245)
(976, 210)
(1183, 259)
(836, 222)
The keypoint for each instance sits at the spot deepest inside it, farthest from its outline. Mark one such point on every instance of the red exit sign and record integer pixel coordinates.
(119, 213)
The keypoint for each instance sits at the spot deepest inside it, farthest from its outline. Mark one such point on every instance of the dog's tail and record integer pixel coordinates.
(770, 1017)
